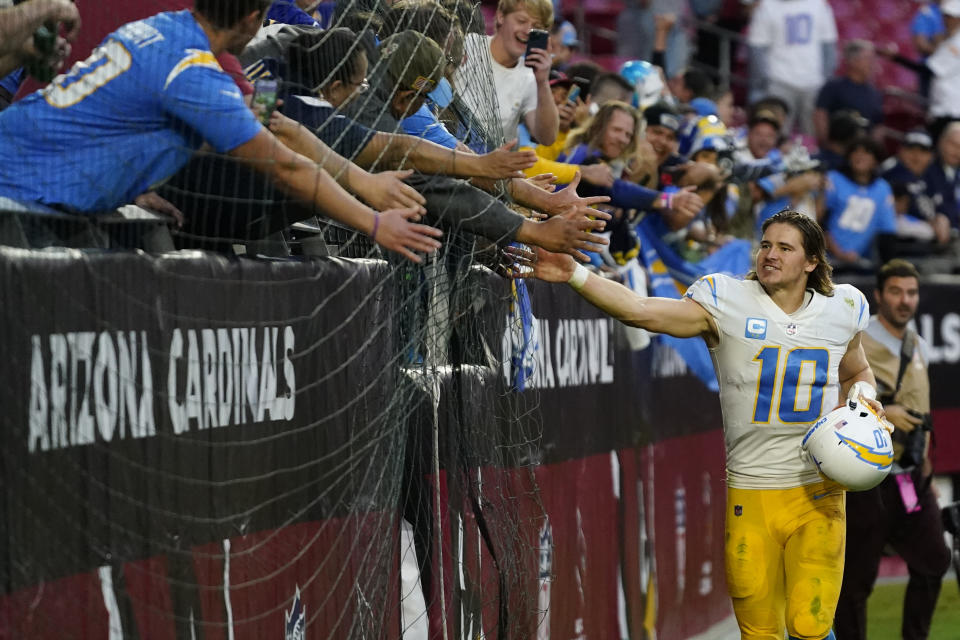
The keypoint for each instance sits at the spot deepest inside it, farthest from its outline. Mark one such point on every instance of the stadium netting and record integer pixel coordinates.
(229, 436)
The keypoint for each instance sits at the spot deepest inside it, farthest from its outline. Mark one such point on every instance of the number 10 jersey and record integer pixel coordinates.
(778, 373)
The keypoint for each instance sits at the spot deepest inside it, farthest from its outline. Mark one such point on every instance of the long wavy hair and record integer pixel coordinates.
(814, 246)
(591, 133)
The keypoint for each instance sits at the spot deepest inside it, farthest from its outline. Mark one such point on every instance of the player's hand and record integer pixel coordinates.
(397, 231)
(503, 162)
(387, 190)
(539, 60)
(561, 201)
(599, 174)
(552, 267)
(901, 418)
(878, 409)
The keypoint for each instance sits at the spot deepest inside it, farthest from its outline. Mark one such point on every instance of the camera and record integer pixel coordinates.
(915, 442)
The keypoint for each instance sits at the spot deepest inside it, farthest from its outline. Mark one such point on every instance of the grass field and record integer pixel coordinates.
(886, 604)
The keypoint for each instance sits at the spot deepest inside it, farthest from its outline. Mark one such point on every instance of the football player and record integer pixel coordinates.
(785, 343)
(148, 97)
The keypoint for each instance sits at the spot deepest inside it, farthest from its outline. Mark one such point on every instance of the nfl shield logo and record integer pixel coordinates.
(737, 510)
(792, 329)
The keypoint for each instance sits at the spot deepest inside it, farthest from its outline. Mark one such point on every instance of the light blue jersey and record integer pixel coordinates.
(124, 120)
(856, 213)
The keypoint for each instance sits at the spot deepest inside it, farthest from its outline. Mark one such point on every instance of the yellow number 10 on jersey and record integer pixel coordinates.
(784, 379)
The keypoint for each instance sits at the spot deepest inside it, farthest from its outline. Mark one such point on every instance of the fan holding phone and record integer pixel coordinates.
(521, 70)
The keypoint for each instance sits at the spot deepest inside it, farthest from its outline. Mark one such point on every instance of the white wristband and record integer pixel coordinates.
(579, 277)
(861, 388)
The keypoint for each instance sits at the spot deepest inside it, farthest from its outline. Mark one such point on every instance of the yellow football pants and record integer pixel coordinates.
(784, 559)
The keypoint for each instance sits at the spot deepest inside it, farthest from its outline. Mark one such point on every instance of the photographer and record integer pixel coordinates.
(902, 511)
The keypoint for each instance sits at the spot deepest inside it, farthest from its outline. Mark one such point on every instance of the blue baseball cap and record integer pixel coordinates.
(704, 107)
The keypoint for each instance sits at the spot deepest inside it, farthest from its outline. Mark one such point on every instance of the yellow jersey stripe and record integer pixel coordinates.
(197, 58)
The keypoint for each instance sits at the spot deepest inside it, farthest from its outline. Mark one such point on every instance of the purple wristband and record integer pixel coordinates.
(376, 225)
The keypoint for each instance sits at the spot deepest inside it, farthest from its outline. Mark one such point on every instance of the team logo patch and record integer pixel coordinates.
(756, 329)
(880, 457)
(849, 301)
(738, 510)
(792, 329)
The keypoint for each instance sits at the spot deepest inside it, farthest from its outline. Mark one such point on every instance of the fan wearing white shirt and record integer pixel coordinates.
(521, 84)
(792, 53)
(944, 63)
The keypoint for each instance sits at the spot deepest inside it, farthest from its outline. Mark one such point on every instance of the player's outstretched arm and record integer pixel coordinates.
(392, 229)
(679, 318)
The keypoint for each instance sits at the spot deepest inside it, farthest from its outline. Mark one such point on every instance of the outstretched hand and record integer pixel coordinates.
(503, 162)
(561, 201)
(687, 203)
(540, 264)
(571, 233)
(387, 190)
(396, 230)
(544, 181)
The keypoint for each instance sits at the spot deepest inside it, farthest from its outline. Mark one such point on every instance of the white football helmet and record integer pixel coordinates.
(851, 446)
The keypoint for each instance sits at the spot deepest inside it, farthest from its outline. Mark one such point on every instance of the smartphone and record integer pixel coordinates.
(537, 39)
(574, 94)
(264, 99)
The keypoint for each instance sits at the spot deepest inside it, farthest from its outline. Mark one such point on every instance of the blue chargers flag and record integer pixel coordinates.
(524, 341)
(666, 269)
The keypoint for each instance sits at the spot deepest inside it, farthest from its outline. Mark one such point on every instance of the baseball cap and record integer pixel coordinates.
(663, 115)
(413, 60)
(568, 34)
(950, 8)
(560, 79)
(704, 106)
(918, 138)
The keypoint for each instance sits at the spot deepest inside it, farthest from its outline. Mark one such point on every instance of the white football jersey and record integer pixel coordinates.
(794, 32)
(778, 373)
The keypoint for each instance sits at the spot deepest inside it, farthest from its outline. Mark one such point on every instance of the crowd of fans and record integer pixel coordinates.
(391, 99)
(240, 118)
